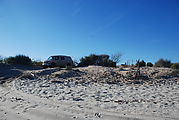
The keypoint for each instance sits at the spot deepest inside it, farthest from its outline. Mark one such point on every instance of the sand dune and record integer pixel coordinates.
(91, 93)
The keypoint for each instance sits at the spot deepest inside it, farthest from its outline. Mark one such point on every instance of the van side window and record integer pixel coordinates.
(62, 58)
(56, 58)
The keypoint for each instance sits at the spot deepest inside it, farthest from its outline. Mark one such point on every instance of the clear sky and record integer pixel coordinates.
(139, 29)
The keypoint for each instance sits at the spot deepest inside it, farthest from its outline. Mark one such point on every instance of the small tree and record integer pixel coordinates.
(95, 60)
(141, 63)
(88, 60)
(19, 59)
(149, 64)
(116, 57)
(163, 63)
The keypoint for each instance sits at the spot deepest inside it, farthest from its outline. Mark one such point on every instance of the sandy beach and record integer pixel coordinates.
(91, 93)
(89, 60)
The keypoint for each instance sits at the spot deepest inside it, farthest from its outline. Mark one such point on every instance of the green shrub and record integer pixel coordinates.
(107, 63)
(94, 60)
(175, 66)
(175, 73)
(111, 63)
(141, 63)
(88, 60)
(37, 63)
(163, 63)
(18, 59)
(149, 64)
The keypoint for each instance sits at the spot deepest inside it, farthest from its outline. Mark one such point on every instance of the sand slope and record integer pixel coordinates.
(90, 93)
(21, 106)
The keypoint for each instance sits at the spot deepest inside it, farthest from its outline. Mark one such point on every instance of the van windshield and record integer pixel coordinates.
(50, 58)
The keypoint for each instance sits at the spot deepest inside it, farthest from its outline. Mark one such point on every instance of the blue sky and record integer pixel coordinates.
(139, 29)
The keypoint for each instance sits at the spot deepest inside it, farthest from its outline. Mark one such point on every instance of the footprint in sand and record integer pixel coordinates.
(17, 106)
(2, 99)
(6, 93)
(30, 107)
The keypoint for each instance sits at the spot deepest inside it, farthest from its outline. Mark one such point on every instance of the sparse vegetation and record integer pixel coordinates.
(95, 60)
(163, 63)
(175, 66)
(88, 60)
(1, 59)
(116, 57)
(149, 64)
(107, 63)
(18, 59)
(37, 63)
(141, 63)
(175, 73)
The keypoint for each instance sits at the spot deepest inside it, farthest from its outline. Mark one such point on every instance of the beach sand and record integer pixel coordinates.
(87, 94)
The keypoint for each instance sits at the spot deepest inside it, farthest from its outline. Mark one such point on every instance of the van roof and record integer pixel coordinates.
(59, 56)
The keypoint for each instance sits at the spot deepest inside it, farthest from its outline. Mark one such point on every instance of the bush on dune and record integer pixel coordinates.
(88, 60)
(141, 63)
(175, 66)
(37, 63)
(94, 60)
(107, 63)
(18, 59)
(149, 64)
(163, 63)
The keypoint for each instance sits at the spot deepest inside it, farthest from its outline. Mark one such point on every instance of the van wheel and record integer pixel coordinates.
(68, 64)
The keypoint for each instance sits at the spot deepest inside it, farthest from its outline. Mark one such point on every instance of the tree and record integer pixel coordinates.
(19, 59)
(88, 60)
(163, 63)
(116, 57)
(96, 60)
(141, 63)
